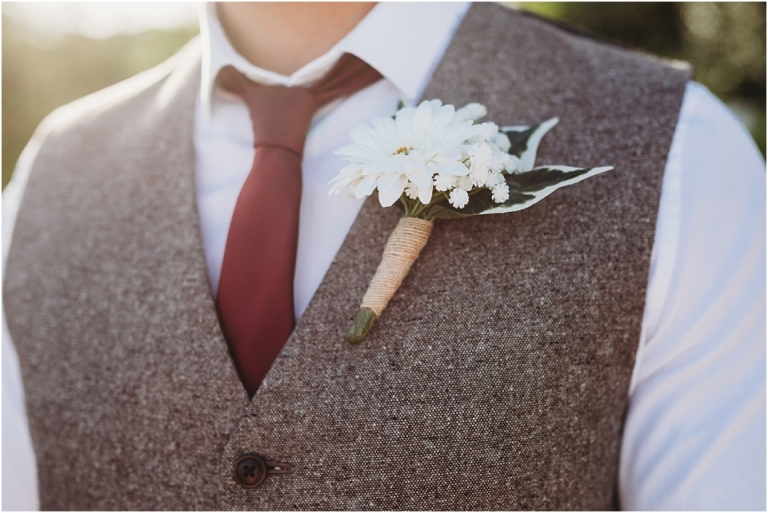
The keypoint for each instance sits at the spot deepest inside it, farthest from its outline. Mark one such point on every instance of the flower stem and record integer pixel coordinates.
(362, 325)
(400, 252)
(415, 208)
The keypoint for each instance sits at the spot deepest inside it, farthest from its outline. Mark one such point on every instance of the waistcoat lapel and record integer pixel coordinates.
(497, 377)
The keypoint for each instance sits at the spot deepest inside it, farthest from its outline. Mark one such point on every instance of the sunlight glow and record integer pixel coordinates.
(103, 19)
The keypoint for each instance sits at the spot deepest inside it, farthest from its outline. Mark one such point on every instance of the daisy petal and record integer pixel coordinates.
(387, 198)
(452, 168)
(386, 182)
(425, 193)
(366, 186)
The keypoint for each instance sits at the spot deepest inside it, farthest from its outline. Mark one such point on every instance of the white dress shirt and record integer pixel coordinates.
(695, 432)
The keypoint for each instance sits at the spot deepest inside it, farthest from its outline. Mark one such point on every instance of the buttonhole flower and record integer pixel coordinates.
(437, 162)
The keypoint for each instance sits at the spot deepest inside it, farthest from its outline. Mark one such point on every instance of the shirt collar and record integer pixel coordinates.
(402, 41)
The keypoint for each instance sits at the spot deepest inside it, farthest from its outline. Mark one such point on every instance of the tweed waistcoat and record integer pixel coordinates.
(497, 377)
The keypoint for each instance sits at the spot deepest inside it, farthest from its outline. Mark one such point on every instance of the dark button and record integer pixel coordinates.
(251, 470)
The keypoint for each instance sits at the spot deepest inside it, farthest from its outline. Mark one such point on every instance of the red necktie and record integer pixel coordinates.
(255, 296)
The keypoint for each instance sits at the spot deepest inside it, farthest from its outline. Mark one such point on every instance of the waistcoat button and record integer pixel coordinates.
(250, 470)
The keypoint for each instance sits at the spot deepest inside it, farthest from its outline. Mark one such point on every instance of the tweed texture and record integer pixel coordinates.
(109, 305)
(496, 379)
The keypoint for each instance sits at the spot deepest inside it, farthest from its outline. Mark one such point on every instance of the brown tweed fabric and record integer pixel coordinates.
(496, 379)
(130, 389)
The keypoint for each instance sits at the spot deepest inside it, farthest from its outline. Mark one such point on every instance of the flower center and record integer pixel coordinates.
(402, 150)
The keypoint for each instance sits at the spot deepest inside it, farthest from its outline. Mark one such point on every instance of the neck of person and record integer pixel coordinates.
(284, 36)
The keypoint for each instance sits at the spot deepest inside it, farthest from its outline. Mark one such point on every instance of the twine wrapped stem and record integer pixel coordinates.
(402, 249)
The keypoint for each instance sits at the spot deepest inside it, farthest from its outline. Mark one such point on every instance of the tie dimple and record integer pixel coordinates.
(255, 296)
(280, 116)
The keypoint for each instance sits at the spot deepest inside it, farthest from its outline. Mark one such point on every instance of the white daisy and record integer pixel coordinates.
(391, 153)
(472, 112)
(444, 182)
(500, 192)
(494, 177)
(458, 198)
(480, 162)
(411, 190)
(499, 161)
(513, 165)
(501, 141)
(464, 182)
(490, 130)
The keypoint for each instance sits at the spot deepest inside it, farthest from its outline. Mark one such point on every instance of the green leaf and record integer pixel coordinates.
(480, 201)
(518, 138)
(539, 183)
(525, 141)
(525, 189)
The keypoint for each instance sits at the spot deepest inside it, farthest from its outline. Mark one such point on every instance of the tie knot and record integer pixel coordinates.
(281, 115)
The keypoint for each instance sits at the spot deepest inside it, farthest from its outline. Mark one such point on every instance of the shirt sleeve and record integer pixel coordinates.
(19, 484)
(695, 431)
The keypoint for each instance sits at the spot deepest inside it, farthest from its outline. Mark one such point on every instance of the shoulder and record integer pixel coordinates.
(717, 161)
(104, 141)
(492, 30)
(721, 172)
(108, 112)
(613, 103)
(88, 138)
(703, 116)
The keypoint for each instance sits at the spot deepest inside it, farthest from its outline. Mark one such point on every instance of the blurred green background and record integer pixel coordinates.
(725, 42)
